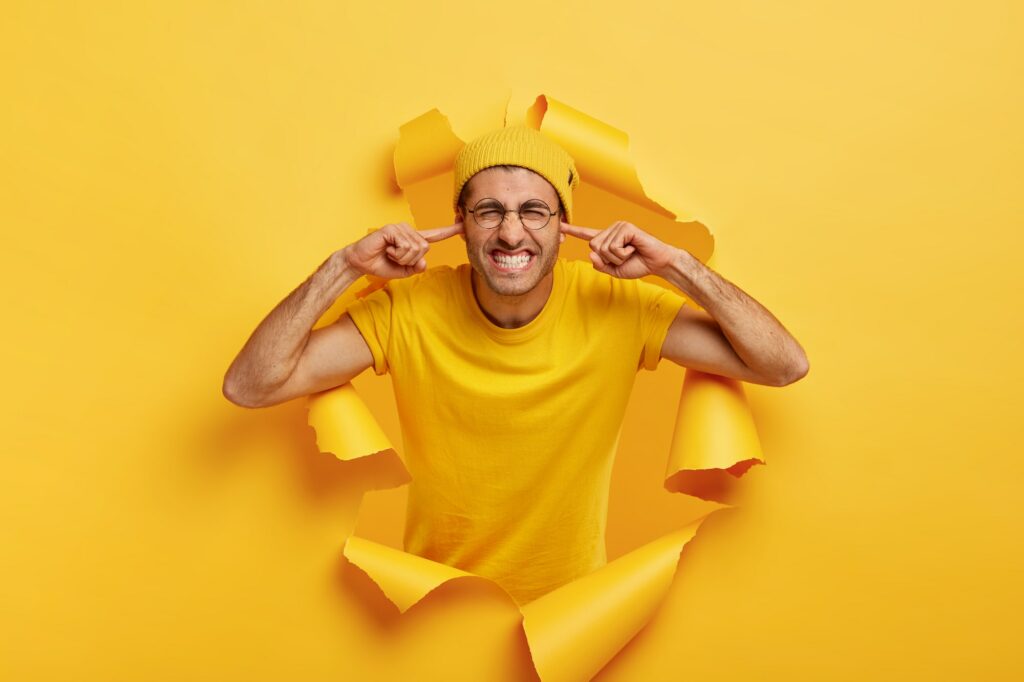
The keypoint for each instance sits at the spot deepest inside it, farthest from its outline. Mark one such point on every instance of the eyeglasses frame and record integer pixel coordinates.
(506, 211)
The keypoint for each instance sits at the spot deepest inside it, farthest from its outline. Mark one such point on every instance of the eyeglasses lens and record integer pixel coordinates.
(489, 216)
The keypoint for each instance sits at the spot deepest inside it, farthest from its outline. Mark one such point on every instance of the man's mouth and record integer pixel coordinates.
(514, 261)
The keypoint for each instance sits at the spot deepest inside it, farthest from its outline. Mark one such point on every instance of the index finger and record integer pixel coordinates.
(587, 233)
(436, 234)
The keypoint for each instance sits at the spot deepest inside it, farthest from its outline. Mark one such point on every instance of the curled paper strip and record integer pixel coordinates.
(575, 630)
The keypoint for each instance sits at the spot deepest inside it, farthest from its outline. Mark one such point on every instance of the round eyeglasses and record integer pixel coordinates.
(490, 213)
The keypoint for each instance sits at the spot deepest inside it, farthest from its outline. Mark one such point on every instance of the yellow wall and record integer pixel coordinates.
(170, 172)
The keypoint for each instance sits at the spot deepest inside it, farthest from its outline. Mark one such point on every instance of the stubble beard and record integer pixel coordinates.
(513, 284)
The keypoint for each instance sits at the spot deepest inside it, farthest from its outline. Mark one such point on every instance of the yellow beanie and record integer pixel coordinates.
(519, 145)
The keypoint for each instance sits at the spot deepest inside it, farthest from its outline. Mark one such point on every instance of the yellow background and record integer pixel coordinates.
(169, 173)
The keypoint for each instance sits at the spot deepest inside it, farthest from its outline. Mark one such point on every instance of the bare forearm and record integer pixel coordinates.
(758, 338)
(273, 350)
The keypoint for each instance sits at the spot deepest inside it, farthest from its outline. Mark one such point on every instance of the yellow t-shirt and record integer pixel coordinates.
(510, 434)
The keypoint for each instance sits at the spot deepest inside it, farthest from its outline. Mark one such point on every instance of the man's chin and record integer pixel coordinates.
(510, 285)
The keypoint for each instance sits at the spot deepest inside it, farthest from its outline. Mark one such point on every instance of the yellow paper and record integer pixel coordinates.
(578, 628)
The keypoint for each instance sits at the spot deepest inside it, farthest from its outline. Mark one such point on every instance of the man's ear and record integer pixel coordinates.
(460, 217)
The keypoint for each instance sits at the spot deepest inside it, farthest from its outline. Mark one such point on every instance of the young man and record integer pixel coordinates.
(511, 373)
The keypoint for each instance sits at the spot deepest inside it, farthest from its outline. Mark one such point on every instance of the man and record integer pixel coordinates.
(511, 373)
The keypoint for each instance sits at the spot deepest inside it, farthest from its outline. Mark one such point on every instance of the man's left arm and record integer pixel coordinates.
(737, 337)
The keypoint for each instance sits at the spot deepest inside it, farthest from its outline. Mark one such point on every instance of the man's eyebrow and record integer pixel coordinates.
(487, 201)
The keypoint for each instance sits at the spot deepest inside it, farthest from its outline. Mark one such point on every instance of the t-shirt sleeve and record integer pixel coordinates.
(372, 317)
(659, 307)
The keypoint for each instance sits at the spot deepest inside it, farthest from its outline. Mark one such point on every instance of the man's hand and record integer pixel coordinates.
(624, 250)
(395, 251)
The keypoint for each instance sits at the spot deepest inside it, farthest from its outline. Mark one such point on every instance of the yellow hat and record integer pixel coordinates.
(519, 145)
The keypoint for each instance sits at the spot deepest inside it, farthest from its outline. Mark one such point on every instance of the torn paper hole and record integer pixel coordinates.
(575, 630)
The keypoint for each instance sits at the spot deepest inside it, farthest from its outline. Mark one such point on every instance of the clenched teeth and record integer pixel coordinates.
(511, 261)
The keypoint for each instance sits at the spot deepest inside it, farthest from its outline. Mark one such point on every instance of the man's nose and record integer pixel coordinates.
(511, 230)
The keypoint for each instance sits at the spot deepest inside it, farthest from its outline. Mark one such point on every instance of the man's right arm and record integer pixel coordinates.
(285, 358)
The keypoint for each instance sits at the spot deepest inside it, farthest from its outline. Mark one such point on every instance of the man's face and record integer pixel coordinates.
(510, 258)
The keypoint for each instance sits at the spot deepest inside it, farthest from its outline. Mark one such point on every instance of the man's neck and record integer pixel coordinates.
(510, 312)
